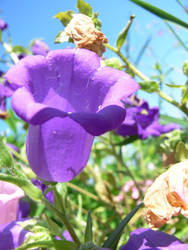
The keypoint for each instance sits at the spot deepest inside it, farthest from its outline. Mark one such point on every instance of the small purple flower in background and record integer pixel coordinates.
(67, 98)
(145, 239)
(43, 188)
(67, 235)
(40, 48)
(3, 25)
(3, 113)
(9, 198)
(23, 209)
(141, 120)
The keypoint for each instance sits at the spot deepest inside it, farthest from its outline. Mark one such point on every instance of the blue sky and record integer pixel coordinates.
(34, 19)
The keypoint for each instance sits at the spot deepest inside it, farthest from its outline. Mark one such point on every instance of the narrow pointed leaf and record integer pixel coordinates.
(169, 119)
(160, 13)
(6, 160)
(122, 36)
(88, 232)
(114, 238)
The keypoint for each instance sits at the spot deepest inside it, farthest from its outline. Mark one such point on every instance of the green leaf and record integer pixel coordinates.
(114, 238)
(179, 121)
(65, 17)
(175, 86)
(185, 97)
(84, 8)
(61, 37)
(149, 86)
(52, 226)
(160, 13)
(0, 35)
(19, 49)
(64, 244)
(122, 36)
(113, 62)
(181, 152)
(6, 159)
(88, 231)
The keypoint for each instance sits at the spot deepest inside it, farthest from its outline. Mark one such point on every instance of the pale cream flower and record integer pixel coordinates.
(168, 195)
(82, 30)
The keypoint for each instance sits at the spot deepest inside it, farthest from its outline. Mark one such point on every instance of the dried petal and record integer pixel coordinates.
(82, 30)
(168, 195)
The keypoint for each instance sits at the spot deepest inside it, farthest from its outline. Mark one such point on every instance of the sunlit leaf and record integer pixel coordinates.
(64, 17)
(84, 8)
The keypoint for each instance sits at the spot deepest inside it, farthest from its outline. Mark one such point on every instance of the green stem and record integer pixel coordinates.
(176, 35)
(129, 65)
(82, 191)
(145, 78)
(32, 245)
(8, 49)
(63, 219)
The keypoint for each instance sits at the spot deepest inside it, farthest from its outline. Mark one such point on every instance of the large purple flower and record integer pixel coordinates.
(141, 120)
(147, 239)
(67, 98)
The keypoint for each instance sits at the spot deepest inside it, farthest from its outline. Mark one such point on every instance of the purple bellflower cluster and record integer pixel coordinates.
(142, 121)
(67, 98)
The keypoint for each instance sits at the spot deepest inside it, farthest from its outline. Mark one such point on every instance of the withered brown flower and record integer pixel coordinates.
(167, 196)
(82, 30)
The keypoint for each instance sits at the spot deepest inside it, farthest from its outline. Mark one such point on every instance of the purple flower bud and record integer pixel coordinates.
(3, 25)
(40, 48)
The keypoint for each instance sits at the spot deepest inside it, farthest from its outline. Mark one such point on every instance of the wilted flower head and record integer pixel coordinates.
(144, 238)
(67, 98)
(40, 48)
(168, 195)
(9, 199)
(3, 25)
(82, 30)
(141, 120)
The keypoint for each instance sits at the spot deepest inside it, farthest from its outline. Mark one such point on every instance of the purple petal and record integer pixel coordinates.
(59, 149)
(33, 112)
(105, 120)
(12, 235)
(23, 209)
(40, 48)
(143, 239)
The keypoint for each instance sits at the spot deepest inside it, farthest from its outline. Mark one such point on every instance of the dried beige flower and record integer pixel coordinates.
(167, 196)
(82, 30)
